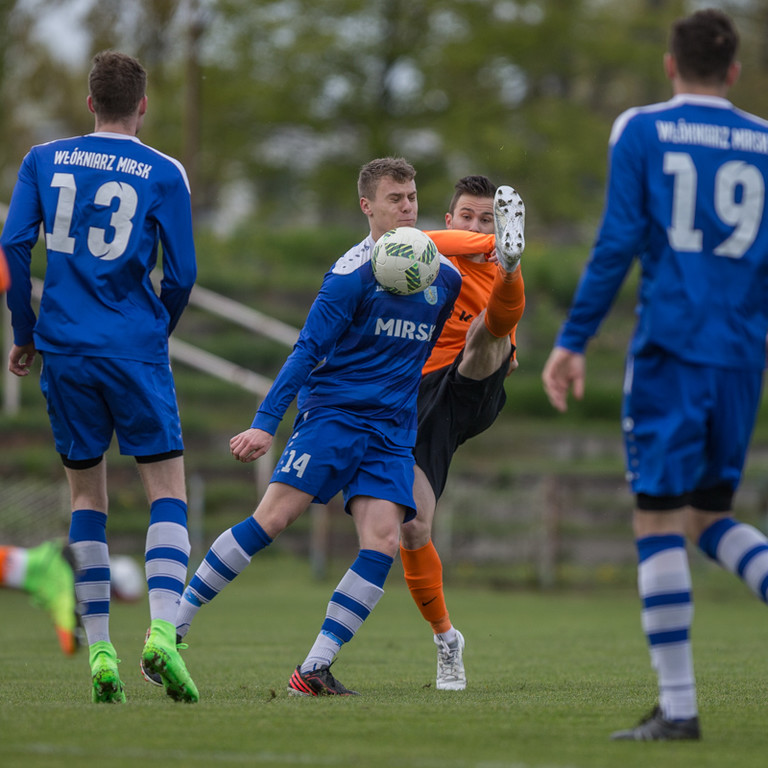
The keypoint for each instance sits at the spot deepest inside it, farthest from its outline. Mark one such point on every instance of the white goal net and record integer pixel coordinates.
(32, 512)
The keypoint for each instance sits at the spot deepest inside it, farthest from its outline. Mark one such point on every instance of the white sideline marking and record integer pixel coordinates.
(257, 757)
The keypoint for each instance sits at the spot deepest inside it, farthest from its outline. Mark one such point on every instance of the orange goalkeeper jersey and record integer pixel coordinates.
(477, 281)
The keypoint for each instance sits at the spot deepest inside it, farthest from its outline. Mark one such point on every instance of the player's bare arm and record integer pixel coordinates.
(250, 445)
(564, 370)
(21, 358)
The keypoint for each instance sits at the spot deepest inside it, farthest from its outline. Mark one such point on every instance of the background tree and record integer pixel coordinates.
(273, 106)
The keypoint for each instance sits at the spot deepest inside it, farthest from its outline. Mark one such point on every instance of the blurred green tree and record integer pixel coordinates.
(274, 105)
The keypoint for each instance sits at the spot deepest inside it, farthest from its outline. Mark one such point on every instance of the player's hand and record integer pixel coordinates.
(250, 445)
(564, 370)
(21, 358)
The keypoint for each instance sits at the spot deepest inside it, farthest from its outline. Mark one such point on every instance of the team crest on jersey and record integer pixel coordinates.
(430, 295)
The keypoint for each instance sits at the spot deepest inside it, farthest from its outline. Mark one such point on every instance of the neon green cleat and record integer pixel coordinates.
(161, 657)
(107, 686)
(50, 580)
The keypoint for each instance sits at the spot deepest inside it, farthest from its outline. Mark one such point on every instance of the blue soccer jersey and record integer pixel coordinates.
(686, 196)
(362, 348)
(105, 201)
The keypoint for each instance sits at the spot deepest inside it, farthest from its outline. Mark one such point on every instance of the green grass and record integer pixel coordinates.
(550, 676)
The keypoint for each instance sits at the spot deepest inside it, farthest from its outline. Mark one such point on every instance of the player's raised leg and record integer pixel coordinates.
(509, 214)
(506, 302)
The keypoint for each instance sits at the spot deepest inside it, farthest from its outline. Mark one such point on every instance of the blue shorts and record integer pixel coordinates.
(331, 451)
(687, 428)
(90, 398)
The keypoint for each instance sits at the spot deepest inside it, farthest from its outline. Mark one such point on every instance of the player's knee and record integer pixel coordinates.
(415, 533)
(381, 538)
(388, 544)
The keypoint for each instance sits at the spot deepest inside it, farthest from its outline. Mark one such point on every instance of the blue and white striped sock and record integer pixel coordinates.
(352, 601)
(226, 558)
(88, 539)
(166, 557)
(664, 583)
(741, 549)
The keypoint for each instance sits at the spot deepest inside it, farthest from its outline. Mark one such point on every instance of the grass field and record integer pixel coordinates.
(550, 676)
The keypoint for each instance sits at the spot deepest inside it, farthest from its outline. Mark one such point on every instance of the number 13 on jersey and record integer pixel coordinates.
(121, 219)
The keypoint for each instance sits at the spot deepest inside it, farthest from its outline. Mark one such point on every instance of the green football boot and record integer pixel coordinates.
(107, 686)
(161, 657)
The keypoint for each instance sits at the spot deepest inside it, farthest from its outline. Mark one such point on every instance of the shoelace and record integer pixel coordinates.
(449, 658)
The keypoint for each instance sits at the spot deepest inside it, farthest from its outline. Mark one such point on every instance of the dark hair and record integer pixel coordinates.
(704, 46)
(117, 83)
(475, 186)
(374, 171)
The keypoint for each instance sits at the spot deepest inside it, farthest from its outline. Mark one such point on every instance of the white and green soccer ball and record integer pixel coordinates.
(405, 261)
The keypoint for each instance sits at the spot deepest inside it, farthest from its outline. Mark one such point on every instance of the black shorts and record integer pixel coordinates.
(453, 408)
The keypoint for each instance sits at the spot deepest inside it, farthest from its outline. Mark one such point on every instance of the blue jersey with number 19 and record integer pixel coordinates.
(362, 348)
(687, 196)
(105, 201)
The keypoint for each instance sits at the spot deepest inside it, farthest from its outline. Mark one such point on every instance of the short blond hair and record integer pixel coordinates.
(397, 168)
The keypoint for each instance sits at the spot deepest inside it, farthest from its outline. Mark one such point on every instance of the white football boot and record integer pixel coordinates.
(450, 664)
(509, 226)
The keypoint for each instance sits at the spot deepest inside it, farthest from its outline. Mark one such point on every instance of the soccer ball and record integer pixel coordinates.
(405, 261)
(127, 578)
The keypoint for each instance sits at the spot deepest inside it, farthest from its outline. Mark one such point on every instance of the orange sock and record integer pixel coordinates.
(424, 577)
(506, 303)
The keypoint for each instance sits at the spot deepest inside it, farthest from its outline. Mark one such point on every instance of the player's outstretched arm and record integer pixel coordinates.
(250, 445)
(564, 370)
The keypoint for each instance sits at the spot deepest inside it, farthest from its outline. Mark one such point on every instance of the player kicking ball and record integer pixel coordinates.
(462, 388)
(356, 370)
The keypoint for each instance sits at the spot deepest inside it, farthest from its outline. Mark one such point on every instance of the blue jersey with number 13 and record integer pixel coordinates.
(105, 201)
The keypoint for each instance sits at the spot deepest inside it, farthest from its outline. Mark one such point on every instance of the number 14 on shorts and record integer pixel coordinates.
(295, 463)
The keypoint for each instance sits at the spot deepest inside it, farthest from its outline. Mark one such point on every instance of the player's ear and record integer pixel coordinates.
(365, 206)
(670, 66)
(448, 220)
(89, 102)
(733, 73)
